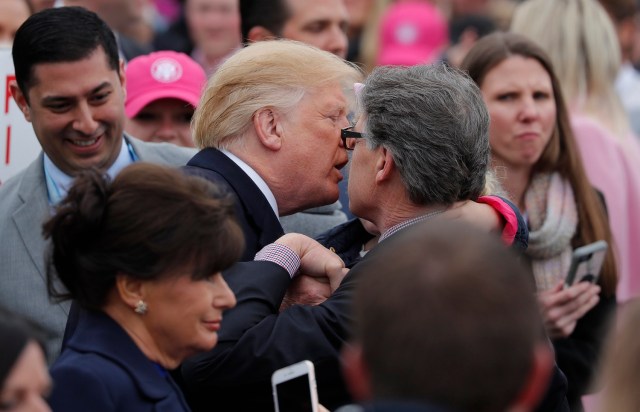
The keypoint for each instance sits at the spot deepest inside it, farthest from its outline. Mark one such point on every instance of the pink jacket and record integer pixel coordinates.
(613, 167)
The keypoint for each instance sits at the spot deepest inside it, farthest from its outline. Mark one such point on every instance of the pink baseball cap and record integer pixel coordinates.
(162, 75)
(411, 32)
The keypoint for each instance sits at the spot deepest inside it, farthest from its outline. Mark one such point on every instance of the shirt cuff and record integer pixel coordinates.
(281, 255)
(501, 207)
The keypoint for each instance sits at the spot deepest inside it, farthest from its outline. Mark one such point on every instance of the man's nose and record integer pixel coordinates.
(337, 41)
(84, 121)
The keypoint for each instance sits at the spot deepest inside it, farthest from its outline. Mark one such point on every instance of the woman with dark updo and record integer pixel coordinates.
(142, 256)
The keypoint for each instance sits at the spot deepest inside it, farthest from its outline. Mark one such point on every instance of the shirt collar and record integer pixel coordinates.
(396, 228)
(58, 182)
(255, 177)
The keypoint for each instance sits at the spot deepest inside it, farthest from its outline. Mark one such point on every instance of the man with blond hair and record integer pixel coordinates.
(269, 129)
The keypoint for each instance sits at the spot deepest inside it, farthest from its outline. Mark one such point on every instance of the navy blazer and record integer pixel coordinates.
(102, 370)
(254, 213)
(256, 339)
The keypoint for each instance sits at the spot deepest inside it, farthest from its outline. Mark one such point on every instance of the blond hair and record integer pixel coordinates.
(274, 73)
(580, 39)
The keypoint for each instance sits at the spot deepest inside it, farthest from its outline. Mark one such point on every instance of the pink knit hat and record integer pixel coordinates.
(161, 75)
(411, 32)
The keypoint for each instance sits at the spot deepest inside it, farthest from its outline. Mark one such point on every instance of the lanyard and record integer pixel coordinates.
(55, 193)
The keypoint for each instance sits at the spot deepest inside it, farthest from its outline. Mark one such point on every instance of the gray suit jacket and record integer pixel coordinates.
(23, 209)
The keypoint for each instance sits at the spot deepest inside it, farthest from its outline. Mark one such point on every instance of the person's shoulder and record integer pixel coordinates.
(90, 365)
(163, 153)
(86, 379)
(10, 189)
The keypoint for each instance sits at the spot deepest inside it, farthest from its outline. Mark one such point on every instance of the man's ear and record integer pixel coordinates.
(20, 99)
(384, 164)
(130, 290)
(356, 372)
(259, 33)
(123, 78)
(267, 123)
(537, 381)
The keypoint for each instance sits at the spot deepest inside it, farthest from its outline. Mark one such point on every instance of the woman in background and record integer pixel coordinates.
(24, 379)
(142, 256)
(582, 44)
(536, 156)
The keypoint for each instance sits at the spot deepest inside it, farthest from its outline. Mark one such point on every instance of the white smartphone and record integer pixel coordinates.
(294, 388)
(586, 263)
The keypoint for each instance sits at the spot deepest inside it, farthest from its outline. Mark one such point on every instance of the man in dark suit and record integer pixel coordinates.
(269, 128)
(295, 135)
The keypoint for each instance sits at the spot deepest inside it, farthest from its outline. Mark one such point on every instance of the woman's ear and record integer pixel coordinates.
(267, 123)
(130, 290)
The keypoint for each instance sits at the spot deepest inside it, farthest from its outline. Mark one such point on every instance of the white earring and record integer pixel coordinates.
(141, 307)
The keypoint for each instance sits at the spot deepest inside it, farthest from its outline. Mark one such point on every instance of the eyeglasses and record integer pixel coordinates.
(349, 137)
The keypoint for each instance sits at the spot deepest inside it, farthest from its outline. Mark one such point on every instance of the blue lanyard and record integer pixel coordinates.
(55, 194)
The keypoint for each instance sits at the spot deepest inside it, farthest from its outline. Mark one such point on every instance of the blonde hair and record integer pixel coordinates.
(274, 73)
(580, 39)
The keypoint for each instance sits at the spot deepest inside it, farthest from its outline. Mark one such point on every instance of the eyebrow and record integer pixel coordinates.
(58, 99)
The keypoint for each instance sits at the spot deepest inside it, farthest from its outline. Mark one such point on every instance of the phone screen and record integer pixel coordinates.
(294, 395)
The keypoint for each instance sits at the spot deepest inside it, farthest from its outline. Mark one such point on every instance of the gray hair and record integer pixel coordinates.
(433, 120)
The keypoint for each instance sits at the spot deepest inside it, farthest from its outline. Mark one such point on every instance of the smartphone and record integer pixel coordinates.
(294, 388)
(586, 263)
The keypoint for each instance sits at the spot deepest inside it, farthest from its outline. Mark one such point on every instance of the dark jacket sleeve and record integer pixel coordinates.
(255, 340)
(579, 354)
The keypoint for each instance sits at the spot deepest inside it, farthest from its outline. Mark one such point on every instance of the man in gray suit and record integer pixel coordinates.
(70, 86)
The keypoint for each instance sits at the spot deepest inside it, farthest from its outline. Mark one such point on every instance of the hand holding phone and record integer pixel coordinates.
(294, 388)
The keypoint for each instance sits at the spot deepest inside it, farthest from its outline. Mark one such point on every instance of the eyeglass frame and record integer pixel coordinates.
(348, 133)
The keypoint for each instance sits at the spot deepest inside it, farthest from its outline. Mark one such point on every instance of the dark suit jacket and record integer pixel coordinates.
(102, 369)
(255, 340)
(260, 225)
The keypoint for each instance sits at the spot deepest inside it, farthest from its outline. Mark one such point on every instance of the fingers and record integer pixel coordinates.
(306, 290)
(336, 276)
(563, 308)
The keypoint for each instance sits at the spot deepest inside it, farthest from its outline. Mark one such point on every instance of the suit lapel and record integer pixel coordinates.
(255, 205)
(30, 216)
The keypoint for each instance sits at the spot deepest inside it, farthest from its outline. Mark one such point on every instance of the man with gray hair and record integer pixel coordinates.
(420, 145)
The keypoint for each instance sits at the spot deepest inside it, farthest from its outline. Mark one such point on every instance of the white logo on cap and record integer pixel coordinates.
(166, 70)
(406, 34)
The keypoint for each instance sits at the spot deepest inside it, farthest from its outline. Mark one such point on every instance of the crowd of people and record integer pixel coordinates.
(391, 190)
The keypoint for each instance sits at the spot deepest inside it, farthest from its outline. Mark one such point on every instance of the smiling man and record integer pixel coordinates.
(70, 86)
